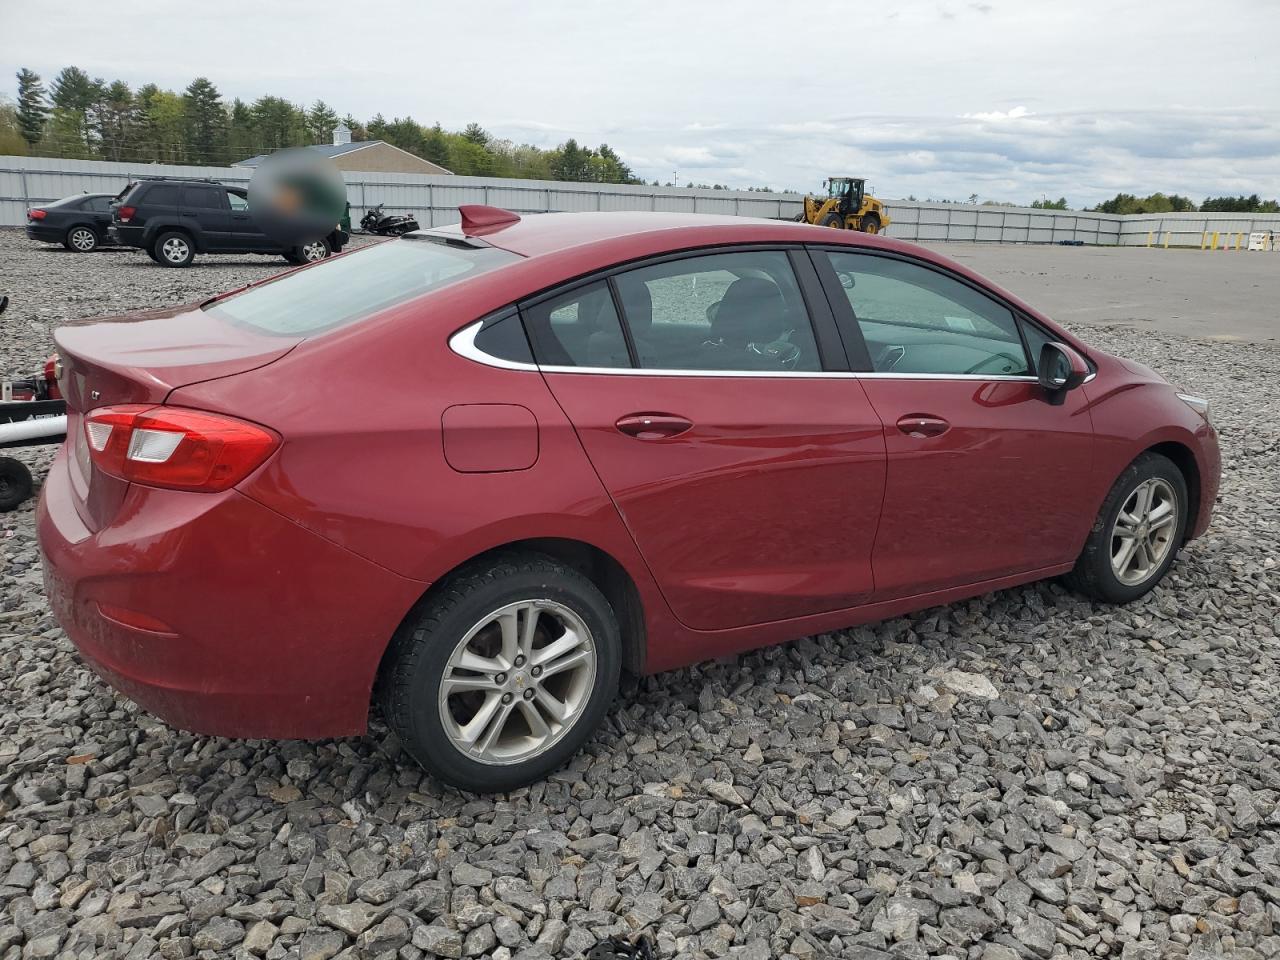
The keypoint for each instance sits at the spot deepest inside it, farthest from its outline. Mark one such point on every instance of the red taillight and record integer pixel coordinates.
(36, 214)
(176, 447)
(126, 213)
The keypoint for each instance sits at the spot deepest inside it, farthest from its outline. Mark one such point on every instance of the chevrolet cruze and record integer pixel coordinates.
(472, 474)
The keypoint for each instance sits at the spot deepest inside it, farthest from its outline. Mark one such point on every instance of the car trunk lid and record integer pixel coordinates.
(142, 357)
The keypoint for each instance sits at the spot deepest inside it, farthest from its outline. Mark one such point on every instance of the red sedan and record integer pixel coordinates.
(474, 473)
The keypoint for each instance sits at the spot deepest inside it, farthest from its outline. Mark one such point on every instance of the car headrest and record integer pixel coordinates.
(751, 311)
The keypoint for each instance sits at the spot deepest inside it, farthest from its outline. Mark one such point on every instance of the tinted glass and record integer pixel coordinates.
(918, 320)
(1036, 339)
(161, 194)
(69, 203)
(503, 337)
(203, 198)
(237, 202)
(578, 329)
(721, 312)
(98, 204)
(337, 292)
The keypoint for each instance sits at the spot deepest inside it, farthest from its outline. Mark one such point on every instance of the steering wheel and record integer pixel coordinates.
(1013, 361)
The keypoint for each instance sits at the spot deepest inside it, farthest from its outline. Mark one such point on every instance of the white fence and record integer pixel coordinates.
(25, 181)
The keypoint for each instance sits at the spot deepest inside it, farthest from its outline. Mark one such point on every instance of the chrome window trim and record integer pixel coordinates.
(463, 343)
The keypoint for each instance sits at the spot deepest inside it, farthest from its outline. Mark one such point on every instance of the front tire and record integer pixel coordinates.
(80, 239)
(502, 674)
(1137, 533)
(871, 223)
(173, 249)
(833, 220)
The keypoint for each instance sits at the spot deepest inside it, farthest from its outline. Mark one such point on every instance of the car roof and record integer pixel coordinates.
(540, 234)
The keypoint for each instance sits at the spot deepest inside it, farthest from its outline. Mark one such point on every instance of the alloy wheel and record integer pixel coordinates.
(314, 251)
(517, 681)
(175, 250)
(83, 240)
(1143, 534)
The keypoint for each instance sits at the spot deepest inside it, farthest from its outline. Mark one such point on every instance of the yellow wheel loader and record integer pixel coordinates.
(846, 206)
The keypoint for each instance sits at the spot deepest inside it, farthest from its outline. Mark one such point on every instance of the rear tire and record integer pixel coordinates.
(173, 249)
(309, 252)
(80, 239)
(833, 220)
(467, 682)
(1146, 508)
(15, 483)
(871, 223)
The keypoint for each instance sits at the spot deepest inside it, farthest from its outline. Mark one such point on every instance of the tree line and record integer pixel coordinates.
(81, 117)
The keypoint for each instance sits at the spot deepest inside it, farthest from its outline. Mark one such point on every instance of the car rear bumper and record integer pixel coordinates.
(217, 614)
(45, 234)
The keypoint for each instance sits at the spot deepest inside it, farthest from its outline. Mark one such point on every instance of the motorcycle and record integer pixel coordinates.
(387, 224)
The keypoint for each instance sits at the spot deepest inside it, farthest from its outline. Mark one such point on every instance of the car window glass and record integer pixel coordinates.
(578, 329)
(918, 320)
(161, 194)
(99, 204)
(737, 311)
(350, 288)
(1036, 339)
(202, 198)
(237, 202)
(503, 337)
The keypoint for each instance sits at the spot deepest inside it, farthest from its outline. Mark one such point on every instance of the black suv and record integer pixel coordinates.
(173, 219)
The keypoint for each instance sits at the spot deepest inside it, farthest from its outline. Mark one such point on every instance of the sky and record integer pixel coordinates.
(1011, 100)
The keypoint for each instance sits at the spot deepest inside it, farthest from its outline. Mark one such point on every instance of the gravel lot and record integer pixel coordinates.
(1023, 775)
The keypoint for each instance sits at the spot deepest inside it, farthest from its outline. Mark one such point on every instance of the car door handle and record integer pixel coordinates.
(185, 214)
(921, 425)
(653, 426)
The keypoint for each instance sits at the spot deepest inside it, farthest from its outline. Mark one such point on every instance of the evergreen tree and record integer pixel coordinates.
(74, 96)
(115, 121)
(33, 106)
(321, 119)
(206, 122)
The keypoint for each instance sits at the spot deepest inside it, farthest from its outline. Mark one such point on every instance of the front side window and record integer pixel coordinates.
(346, 289)
(916, 320)
(237, 202)
(732, 312)
(578, 329)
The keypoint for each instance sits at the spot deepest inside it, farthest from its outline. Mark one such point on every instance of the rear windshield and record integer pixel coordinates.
(341, 291)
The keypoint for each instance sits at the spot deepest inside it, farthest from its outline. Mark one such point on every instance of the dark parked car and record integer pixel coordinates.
(174, 219)
(607, 441)
(80, 222)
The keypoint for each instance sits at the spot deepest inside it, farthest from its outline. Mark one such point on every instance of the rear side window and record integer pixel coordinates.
(731, 312)
(337, 292)
(161, 194)
(201, 198)
(578, 329)
(98, 204)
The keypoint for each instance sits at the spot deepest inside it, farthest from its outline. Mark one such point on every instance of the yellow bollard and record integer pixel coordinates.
(1215, 240)
(1166, 239)
(1150, 237)
(1204, 238)
(1238, 237)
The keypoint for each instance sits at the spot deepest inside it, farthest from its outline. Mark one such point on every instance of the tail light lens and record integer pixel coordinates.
(176, 447)
(36, 214)
(126, 213)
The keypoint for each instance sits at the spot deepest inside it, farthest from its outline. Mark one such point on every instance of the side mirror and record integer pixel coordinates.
(1061, 370)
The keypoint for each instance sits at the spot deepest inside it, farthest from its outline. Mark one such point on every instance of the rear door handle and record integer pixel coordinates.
(653, 426)
(922, 425)
(185, 214)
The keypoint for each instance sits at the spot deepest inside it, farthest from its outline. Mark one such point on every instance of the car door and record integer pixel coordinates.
(204, 206)
(984, 474)
(245, 229)
(707, 392)
(98, 209)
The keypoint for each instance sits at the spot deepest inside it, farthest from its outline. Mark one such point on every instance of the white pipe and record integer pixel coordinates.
(33, 429)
